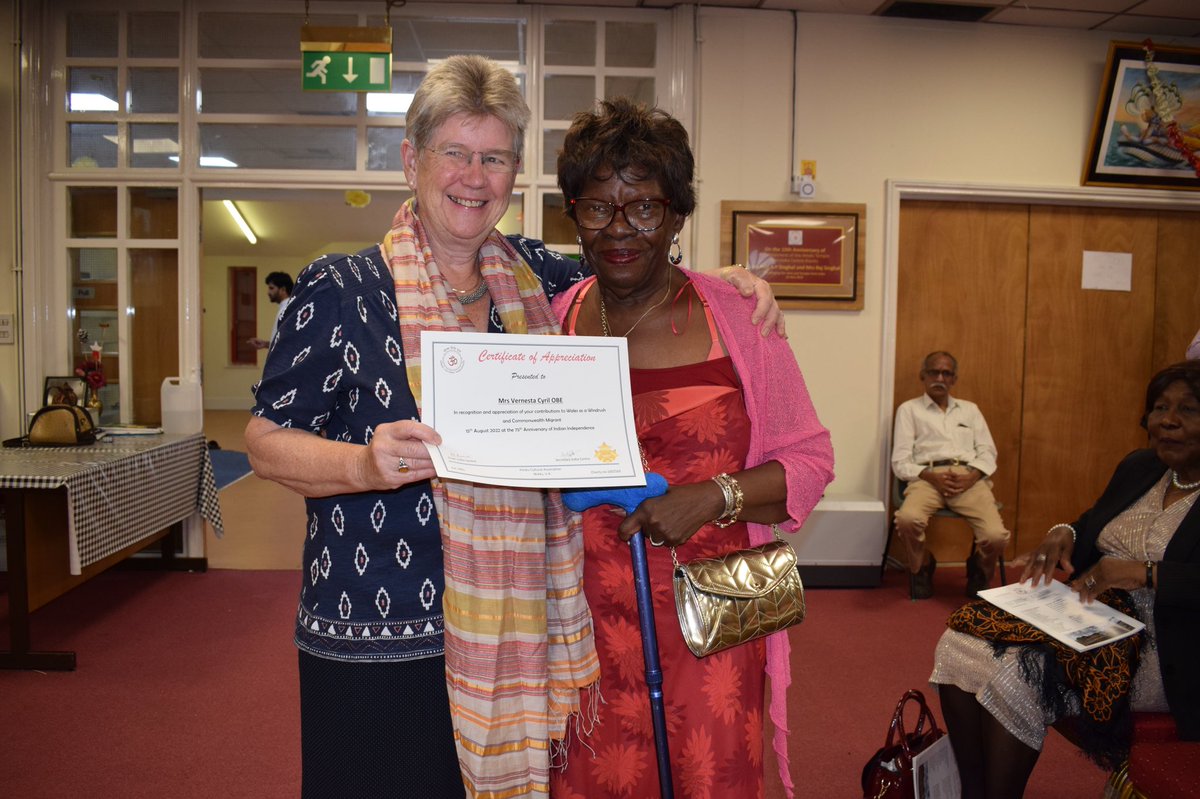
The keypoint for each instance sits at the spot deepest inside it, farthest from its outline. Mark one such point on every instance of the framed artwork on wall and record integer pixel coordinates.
(1147, 126)
(810, 253)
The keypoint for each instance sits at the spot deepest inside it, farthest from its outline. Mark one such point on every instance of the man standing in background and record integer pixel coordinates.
(279, 289)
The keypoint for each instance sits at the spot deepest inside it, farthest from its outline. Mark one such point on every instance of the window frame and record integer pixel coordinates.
(48, 177)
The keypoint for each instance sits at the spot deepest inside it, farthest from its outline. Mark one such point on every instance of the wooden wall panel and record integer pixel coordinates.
(1177, 304)
(1087, 356)
(154, 329)
(962, 275)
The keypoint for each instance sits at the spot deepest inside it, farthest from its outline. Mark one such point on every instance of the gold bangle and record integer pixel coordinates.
(734, 500)
(727, 493)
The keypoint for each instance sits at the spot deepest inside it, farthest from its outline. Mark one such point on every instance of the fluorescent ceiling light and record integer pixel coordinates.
(237, 217)
(381, 103)
(90, 101)
(209, 160)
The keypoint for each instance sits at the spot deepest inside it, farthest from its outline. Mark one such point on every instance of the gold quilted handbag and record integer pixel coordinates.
(735, 598)
(61, 426)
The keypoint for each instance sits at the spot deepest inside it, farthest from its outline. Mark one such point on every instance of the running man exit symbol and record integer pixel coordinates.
(318, 68)
(347, 72)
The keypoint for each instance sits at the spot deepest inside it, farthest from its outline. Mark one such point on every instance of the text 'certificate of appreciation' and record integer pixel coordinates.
(530, 411)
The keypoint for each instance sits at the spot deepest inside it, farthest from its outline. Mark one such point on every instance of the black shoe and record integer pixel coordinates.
(977, 578)
(920, 584)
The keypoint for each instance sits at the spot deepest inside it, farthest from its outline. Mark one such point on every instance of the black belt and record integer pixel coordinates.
(948, 462)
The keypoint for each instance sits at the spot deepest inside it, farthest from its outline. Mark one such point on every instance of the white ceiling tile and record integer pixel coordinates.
(605, 3)
(1102, 6)
(824, 6)
(1048, 19)
(1161, 26)
(1180, 9)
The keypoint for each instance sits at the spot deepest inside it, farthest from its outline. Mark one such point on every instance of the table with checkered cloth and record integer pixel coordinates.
(120, 489)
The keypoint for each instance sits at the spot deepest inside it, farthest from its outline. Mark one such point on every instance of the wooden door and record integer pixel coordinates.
(1177, 294)
(1059, 371)
(1087, 360)
(153, 329)
(962, 286)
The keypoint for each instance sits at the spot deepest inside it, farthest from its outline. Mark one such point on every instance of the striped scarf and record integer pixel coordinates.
(519, 645)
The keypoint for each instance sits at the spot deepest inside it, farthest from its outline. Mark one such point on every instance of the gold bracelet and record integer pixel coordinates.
(734, 500)
(727, 493)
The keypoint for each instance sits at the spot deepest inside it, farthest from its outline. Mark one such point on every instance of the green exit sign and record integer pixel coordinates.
(334, 71)
(346, 59)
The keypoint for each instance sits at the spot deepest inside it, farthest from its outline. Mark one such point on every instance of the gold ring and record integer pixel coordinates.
(1040, 558)
(1090, 582)
(402, 465)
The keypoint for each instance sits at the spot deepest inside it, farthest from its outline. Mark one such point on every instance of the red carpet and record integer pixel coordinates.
(186, 687)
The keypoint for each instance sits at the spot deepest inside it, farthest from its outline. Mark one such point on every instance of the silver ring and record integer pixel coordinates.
(1090, 582)
(1040, 558)
(654, 543)
(402, 465)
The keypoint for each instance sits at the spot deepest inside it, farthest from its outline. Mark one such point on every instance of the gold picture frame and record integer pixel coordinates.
(811, 253)
(1131, 145)
(68, 390)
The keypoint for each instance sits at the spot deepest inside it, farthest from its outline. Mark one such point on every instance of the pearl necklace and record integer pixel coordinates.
(1181, 486)
(604, 312)
(474, 295)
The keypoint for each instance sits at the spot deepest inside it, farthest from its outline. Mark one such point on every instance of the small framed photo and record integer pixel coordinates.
(1147, 125)
(65, 391)
(811, 253)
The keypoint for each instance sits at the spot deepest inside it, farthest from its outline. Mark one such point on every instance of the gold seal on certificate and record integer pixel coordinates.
(530, 411)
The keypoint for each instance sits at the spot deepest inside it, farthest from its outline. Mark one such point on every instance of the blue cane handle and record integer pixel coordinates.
(580, 499)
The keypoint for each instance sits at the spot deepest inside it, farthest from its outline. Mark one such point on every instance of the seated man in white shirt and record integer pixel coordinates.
(943, 450)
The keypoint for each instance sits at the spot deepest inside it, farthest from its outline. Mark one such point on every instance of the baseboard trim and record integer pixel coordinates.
(840, 576)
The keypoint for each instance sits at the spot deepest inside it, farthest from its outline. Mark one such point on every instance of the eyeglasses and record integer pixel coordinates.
(940, 372)
(500, 162)
(645, 214)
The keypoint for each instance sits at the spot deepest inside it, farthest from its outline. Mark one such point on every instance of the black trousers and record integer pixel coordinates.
(376, 730)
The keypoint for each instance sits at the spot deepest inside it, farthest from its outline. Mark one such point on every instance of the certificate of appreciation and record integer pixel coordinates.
(530, 411)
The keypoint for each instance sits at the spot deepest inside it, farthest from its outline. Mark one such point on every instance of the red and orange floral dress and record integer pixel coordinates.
(692, 424)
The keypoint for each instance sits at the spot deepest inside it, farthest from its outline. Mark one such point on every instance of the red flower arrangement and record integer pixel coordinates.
(92, 370)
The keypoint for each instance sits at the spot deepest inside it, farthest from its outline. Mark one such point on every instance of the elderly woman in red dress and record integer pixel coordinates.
(724, 415)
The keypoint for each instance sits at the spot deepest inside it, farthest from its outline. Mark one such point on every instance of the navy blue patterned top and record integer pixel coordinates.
(372, 563)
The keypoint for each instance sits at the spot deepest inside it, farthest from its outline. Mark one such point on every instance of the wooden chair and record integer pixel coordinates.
(898, 499)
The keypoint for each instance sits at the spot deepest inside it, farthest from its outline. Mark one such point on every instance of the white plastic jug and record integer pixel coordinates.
(182, 406)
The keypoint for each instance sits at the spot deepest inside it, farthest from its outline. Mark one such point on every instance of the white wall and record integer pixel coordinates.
(880, 99)
(10, 384)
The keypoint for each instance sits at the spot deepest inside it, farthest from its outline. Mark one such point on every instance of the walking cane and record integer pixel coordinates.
(629, 499)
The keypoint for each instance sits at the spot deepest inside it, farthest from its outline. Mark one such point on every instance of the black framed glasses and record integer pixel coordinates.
(645, 214)
(503, 162)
